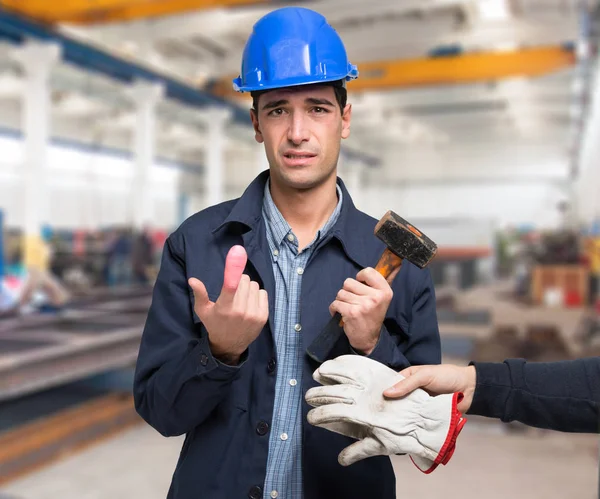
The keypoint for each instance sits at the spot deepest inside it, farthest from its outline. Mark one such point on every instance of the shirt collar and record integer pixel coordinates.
(278, 225)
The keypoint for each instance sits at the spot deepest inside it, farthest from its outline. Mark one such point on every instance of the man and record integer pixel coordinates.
(562, 396)
(245, 286)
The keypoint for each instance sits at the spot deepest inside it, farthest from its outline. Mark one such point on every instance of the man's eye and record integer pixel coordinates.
(276, 112)
(319, 110)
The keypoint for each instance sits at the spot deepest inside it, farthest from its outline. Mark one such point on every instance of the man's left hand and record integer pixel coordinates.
(363, 303)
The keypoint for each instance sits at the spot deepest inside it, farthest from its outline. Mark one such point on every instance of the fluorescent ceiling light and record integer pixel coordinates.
(493, 10)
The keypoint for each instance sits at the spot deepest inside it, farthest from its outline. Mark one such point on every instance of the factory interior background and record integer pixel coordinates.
(476, 120)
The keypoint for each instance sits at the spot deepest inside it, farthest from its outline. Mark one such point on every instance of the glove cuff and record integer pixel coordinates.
(457, 422)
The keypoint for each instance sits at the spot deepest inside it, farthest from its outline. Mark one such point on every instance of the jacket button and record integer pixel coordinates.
(262, 427)
(255, 492)
(271, 365)
(203, 359)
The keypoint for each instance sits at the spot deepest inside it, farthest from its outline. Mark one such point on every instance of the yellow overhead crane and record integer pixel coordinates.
(445, 70)
(104, 11)
(463, 68)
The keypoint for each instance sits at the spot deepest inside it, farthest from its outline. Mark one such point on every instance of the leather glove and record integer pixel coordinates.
(351, 403)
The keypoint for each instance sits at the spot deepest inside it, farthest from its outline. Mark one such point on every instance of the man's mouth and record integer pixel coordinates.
(299, 156)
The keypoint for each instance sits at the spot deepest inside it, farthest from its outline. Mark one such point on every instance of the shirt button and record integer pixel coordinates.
(300, 270)
(203, 359)
(293, 382)
(284, 436)
(298, 327)
(291, 238)
(271, 365)
(275, 253)
(255, 492)
(262, 428)
(274, 494)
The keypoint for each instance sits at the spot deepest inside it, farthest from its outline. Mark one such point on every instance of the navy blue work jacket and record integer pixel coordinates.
(225, 411)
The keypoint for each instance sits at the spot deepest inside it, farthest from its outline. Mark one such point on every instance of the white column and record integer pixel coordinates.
(37, 61)
(584, 187)
(588, 182)
(215, 154)
(146, 96)
(190, 194)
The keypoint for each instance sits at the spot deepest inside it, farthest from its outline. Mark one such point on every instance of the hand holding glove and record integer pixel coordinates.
(351, 403)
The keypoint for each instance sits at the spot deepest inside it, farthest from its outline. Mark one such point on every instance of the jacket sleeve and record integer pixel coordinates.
(423, 345)
(177, 381)
(562, 396)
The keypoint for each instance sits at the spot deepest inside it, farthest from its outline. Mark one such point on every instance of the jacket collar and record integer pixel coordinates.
(350, 229)
(354, 229)
(247, 209)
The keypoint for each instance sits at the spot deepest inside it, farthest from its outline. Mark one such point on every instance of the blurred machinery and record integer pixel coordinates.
(546, 309)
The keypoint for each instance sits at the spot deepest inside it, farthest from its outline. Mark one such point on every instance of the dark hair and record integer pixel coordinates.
(341, 95)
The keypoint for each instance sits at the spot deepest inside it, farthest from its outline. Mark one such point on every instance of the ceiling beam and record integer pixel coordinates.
(182, 17)
(465, 68)
(435, 71)
(104, 11)
(395, 41)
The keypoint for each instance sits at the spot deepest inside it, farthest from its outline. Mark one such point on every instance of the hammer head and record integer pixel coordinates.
(404, 240)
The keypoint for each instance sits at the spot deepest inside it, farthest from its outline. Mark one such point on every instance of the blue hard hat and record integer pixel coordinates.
(293, 46)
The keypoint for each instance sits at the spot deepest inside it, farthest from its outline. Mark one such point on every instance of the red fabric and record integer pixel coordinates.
(457, 423)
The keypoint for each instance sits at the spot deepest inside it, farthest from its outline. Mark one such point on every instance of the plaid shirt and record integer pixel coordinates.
(284, 466)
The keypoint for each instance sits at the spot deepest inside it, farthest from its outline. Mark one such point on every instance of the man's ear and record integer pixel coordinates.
(257, 133)
(346, 118)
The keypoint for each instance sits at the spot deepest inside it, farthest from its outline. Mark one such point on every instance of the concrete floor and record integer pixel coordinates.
(488, 463)
(493, 464)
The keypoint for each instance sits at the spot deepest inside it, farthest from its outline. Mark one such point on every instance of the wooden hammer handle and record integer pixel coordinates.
(388, 266)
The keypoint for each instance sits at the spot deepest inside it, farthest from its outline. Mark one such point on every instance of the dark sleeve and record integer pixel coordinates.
(562, 396)
(177, 381)
(423, 345)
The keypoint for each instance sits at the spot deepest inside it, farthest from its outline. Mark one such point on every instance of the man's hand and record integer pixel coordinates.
(237, 317)
(437, 380)
(363, 303)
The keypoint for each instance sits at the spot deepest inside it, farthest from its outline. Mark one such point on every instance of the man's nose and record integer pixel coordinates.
(298, 130)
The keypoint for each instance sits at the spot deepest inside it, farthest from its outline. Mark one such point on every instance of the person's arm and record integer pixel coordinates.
(178, 382)
(562, 396)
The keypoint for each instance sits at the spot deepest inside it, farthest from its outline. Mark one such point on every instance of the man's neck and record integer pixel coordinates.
(306, 210)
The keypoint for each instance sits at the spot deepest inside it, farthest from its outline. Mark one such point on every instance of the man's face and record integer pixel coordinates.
(301, 128)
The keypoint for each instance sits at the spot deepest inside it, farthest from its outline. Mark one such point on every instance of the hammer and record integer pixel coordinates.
(403, 242)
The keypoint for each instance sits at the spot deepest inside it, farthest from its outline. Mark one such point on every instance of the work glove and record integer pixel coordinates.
(351, 403)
